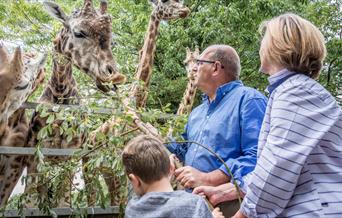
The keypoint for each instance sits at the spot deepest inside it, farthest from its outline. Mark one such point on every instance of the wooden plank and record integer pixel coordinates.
(31, 151)
(33, 105)
(112, 211)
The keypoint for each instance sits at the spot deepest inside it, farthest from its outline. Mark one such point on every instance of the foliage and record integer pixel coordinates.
(233, 22)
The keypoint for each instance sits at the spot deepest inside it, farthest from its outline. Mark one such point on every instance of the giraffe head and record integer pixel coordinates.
(10, 72)
(169, 9)
(86, 40)
(190, 61)
(17, 79)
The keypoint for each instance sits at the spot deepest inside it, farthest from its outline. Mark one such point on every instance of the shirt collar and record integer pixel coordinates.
(223, 90)
(277, 78)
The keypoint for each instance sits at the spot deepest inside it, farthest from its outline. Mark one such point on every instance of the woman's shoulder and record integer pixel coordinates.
(302, 86)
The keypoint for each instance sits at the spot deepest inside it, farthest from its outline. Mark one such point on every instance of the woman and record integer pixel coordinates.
(299, 166)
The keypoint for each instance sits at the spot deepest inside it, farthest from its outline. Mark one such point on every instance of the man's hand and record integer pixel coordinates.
(189, 177)
(218, 194)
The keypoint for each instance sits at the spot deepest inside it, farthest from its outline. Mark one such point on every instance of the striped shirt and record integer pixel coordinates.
(299, 166)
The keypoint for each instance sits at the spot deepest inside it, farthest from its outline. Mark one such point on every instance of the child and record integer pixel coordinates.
(148, 167)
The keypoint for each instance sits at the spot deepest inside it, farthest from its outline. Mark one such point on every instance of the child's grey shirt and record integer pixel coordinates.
(176, 204)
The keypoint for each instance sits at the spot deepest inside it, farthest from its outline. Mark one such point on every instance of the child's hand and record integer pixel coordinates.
(173, 159)
(217, 213)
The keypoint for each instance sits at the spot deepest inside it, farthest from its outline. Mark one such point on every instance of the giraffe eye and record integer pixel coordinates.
(80, 34)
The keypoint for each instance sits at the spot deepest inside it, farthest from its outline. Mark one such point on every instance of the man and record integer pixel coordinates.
(228, 122)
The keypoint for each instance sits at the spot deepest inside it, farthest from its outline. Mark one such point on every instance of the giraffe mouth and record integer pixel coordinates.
(106, 87)
(184, 13)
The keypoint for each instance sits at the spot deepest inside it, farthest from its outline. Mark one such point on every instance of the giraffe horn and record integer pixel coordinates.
(197, 52)
(3, 56)
(88, 8)
(103, 6)
(16, 64)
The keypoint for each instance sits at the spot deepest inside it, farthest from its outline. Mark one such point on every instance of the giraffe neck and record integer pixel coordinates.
(62, 87)
(3, 131)
(188, 98)
(146, 61)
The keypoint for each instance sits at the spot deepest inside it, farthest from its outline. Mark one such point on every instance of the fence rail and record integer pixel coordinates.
(31, 151)
(33, 105)
(82, 108)
(95, 212)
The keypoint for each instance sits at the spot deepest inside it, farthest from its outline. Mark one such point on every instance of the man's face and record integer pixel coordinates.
(202, 68)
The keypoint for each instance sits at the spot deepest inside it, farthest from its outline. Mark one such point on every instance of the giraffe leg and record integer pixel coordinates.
(31, 187)
(65, 201)
(113, 184)
(91, 198)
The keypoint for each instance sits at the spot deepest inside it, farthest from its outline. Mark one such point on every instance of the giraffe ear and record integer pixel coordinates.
(103, 6)
(55, 11)
(3, 56)
(154, 2)
(16, 65)
(188, 51)
(197, 52)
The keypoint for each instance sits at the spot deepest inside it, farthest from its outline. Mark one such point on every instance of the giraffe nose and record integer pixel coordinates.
(110, 69)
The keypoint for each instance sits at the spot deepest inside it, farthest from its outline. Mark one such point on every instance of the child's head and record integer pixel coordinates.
(146, 161)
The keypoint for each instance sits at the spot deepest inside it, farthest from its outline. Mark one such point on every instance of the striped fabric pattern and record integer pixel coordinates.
(299, 166)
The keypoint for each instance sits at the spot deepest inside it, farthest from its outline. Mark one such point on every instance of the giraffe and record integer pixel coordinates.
(83, 42)
(18, 80)
(163, 10)
(190, 91)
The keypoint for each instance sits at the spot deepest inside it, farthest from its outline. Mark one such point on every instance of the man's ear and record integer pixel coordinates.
(217, 68)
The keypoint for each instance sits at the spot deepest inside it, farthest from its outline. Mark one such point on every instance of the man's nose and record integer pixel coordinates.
(195, 67)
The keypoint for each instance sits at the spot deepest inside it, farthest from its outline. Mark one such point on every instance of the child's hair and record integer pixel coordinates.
(146, 158)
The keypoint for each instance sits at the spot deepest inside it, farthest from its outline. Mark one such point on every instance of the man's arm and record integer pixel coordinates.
(251, 117)
(179, 149)
(190, 177)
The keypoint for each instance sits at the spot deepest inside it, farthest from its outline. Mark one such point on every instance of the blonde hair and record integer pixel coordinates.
(293, 43)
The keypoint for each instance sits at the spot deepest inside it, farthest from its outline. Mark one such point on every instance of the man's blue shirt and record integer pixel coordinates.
(229, 125)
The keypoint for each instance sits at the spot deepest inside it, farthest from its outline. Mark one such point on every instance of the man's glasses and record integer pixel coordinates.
(199, 62)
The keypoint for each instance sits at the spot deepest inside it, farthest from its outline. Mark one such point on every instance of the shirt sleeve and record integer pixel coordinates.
(202, 209)
(293, 115)
(179, 149)
(251, 117)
